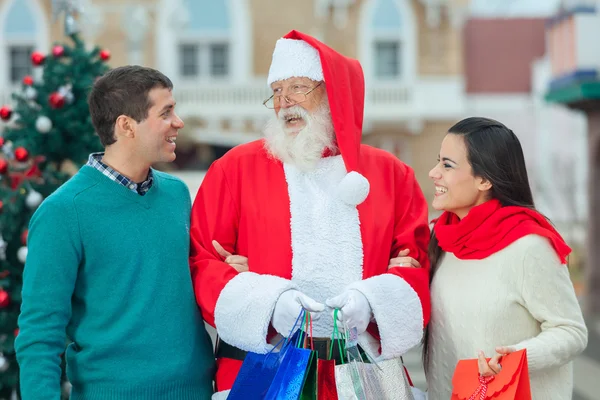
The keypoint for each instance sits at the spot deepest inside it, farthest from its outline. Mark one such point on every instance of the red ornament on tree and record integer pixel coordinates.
(56, 100)
(1, 141)
(1, 206)
(24, 237)
(58, 51)
(105, 55)
(37, 58)
(28, 80)
(4, 298)
(3, 166)
(5, 113)
(16, 332)
(21, 154)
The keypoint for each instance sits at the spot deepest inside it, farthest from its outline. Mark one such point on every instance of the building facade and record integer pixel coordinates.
(218, 52)
(575, 83)
(507, 70)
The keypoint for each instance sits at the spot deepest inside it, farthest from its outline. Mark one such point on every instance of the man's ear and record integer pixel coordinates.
(125, 126)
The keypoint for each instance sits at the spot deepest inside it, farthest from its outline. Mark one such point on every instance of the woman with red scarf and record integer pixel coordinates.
(499, 279)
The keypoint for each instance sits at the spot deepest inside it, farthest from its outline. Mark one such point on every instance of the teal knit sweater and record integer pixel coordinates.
(108, 269)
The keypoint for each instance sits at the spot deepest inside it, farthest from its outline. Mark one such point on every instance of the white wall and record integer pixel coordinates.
(561, 156)
(587, 33)
(554, 141)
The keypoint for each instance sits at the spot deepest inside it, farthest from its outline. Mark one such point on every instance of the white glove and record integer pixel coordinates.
(288, 307)
(355, 310)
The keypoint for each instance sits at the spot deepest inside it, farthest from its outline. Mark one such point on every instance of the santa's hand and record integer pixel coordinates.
(288, 307)
(240, 263)
(404, 261)
(355, 310)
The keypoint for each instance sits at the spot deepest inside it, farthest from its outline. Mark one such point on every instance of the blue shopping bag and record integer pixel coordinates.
(259, 370)
(291, 375)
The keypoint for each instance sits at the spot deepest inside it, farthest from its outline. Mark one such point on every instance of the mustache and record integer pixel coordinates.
(293, 112)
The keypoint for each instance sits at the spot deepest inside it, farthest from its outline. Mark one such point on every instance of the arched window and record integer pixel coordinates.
(20, 32)
(204, 40)
(388, 47)
(387, 40)
(204, 46)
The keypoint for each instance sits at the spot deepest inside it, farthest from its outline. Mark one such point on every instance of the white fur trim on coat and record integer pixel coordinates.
(294, 58)
(245, 307)
(327, 252)
(397, 310)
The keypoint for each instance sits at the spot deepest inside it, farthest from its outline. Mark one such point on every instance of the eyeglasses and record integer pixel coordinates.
(292, 99)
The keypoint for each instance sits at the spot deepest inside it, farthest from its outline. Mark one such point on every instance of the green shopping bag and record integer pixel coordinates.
(310, 387)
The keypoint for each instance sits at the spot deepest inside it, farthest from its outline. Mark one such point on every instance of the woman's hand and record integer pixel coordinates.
(493, 367)
(240, 263)
(403, 261)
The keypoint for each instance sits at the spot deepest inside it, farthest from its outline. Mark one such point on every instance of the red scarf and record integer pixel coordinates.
(489, 228)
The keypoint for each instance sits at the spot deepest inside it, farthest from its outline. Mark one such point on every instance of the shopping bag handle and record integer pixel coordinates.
(335, 338)
(306, 332)
(309, 319)
(286, 340)
(299, 318)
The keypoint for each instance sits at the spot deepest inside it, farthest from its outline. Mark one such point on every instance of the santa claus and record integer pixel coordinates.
(318, 216)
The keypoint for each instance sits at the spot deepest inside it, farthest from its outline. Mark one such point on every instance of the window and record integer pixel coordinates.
(190, 66)
(219, 60)
(387, 47)
(20, 62)
(205, 42)
(19, 39)
(204, 60)
(387, 59)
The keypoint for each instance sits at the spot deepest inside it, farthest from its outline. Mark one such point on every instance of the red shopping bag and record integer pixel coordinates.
(327, 388)
(512, 383)
(326, 380)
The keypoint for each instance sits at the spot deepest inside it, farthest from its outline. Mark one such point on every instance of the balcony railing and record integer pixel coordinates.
(388, 96)
(245, 100)
(222, 95)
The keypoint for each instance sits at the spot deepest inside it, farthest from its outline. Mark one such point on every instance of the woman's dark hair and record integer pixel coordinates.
(495, 154)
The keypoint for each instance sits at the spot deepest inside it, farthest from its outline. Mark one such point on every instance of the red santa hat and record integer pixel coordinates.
(300, 55)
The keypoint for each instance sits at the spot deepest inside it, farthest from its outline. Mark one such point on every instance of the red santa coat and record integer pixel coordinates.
(298, 234)
(247, 204)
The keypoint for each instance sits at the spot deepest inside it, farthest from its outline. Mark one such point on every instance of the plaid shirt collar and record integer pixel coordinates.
(95, 161)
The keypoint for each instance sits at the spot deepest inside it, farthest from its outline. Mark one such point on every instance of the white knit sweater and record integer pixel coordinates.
(520, 296)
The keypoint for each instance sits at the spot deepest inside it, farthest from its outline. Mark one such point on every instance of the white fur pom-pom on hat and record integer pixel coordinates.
(353, 189)
(294, 58)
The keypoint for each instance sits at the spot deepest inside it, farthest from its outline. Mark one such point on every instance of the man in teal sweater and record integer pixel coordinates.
(107, 266)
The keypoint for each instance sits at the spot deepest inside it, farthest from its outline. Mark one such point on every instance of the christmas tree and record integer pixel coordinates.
(47, 136)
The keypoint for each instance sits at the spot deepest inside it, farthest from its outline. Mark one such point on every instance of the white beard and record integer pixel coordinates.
(305, 148)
